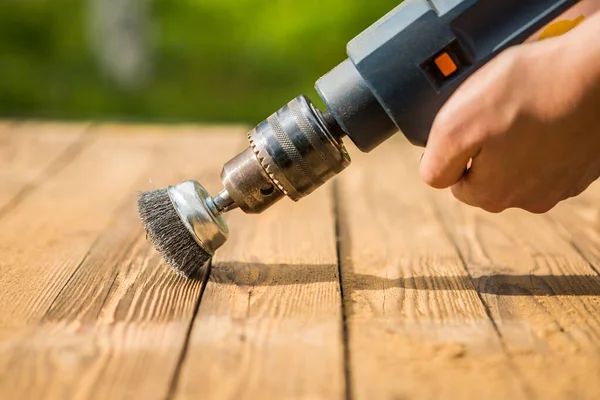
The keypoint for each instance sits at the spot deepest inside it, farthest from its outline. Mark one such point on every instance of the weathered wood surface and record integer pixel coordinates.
(30, 153)
(416, 325)
(373, 287)
(269, 325)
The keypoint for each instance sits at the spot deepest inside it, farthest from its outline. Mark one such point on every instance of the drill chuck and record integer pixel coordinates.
(292, 153)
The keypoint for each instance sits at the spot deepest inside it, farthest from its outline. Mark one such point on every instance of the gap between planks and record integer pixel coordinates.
(344, 299)
(416, 325)
(532, 285)
(186, 344)
(270, 321)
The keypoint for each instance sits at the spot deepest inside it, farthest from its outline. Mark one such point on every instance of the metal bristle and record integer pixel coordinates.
(169, 235)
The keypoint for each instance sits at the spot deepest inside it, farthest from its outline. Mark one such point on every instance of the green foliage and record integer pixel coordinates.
(213, 60)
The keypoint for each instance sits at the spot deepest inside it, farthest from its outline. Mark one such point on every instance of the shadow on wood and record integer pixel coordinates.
(256, 274)
(259, 274)
(505, 285)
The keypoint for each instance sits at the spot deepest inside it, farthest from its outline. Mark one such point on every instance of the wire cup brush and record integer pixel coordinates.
(292, 153)
(184, 225)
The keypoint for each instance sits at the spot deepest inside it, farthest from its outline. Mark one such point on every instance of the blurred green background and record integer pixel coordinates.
(170, 60)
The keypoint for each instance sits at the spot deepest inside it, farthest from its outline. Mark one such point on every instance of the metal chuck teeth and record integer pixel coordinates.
(248, 184)
(263, 158)
(291, 153)
(297, 150)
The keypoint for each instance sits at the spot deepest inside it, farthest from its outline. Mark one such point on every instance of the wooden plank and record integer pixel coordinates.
(182, 153)
(118, 361)
(578, 221)
(32, 152)
(269, 325)
(60, 221)
(87, 308)
(542, 294)
(416, 326)
(118, 327)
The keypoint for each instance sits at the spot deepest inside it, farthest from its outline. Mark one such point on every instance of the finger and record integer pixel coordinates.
(450, 147)
(462, 192)
(473, 195)
(464, 123)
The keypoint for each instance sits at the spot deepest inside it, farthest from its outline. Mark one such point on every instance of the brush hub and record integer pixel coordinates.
(199, 215)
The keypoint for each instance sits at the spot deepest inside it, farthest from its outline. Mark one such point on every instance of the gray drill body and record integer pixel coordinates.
(390, 82)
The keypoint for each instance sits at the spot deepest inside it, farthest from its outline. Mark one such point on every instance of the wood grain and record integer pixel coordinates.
(116, 361)
(119, 325)
(543, 296)
(32, 152)
(437, 300)
(270, 325)
(416, 326)
(106, 277)
(578, 221)
(61, 220)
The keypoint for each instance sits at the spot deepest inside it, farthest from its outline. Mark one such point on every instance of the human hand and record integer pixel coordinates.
(529, 121)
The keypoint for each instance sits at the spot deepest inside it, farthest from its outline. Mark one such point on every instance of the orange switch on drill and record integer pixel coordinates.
(445, 64)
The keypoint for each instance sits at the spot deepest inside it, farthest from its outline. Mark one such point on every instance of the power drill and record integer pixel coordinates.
(399, 73)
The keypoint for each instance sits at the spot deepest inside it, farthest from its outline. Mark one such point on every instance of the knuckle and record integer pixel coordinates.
(444, 118)
(540, 204)
(495, 204)
(510, 60)
(540, 208)
(493, 207)
(461, 193)
(577, 189)
(445, 124)
(453, 133)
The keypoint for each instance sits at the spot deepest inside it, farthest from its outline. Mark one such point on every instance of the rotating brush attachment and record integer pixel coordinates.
(184, 225)
(292, 153)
